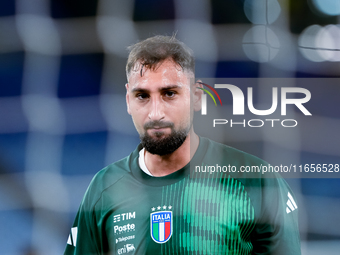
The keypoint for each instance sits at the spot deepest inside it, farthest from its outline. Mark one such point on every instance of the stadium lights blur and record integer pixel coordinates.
(262, 12)
(328, 7)
(319, 44)
(260, 44)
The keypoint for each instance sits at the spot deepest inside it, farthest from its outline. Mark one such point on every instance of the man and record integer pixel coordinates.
(151, 203)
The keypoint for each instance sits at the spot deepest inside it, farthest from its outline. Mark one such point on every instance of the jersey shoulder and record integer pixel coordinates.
(242, 166)
(220, 152)
(106, 178)
(111, 173)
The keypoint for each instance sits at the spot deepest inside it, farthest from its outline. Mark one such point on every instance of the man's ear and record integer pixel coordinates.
(127, 98)
(197, 103)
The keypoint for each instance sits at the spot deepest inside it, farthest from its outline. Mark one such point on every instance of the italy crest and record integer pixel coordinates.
(161, 226)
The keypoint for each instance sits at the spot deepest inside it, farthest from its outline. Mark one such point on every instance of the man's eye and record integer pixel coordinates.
(170, 93)
(142, 96)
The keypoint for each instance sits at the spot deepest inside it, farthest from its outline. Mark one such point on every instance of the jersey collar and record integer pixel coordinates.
(142, 177)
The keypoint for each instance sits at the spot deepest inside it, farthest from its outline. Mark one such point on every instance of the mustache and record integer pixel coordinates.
(158, 124)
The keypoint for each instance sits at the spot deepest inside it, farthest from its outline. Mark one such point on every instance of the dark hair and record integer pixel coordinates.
(154, 50)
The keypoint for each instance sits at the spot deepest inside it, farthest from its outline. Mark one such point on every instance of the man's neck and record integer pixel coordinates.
(168, 164)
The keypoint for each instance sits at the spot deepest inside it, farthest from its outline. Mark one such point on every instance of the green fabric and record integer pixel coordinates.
(220, 213)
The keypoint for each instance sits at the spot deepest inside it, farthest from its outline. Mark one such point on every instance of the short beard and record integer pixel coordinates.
(166, 145)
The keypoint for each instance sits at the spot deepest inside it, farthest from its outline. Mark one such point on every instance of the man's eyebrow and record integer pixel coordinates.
(135, 90)
(168, 87)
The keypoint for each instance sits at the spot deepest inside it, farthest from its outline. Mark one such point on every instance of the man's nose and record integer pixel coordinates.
(156, 110)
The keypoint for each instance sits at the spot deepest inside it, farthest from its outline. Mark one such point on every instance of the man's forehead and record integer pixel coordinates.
(166, 74)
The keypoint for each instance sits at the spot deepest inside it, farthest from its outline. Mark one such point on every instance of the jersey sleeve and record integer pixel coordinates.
(277, 231)
(84, 238)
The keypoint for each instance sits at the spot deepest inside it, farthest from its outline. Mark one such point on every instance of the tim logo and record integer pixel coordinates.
(161, 226)
(124, 216)
(239, 99)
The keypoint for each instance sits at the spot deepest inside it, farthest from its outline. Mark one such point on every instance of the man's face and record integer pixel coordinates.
(159, 103)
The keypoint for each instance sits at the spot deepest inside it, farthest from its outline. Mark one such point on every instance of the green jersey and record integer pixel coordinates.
(203, 208)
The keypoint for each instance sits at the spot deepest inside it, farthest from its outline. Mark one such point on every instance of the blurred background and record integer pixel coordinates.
(63, 113)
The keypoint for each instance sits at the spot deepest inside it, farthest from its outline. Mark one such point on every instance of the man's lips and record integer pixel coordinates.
(158, 125)
(158, 129)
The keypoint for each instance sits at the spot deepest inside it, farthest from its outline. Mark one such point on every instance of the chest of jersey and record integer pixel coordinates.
(192, 216)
